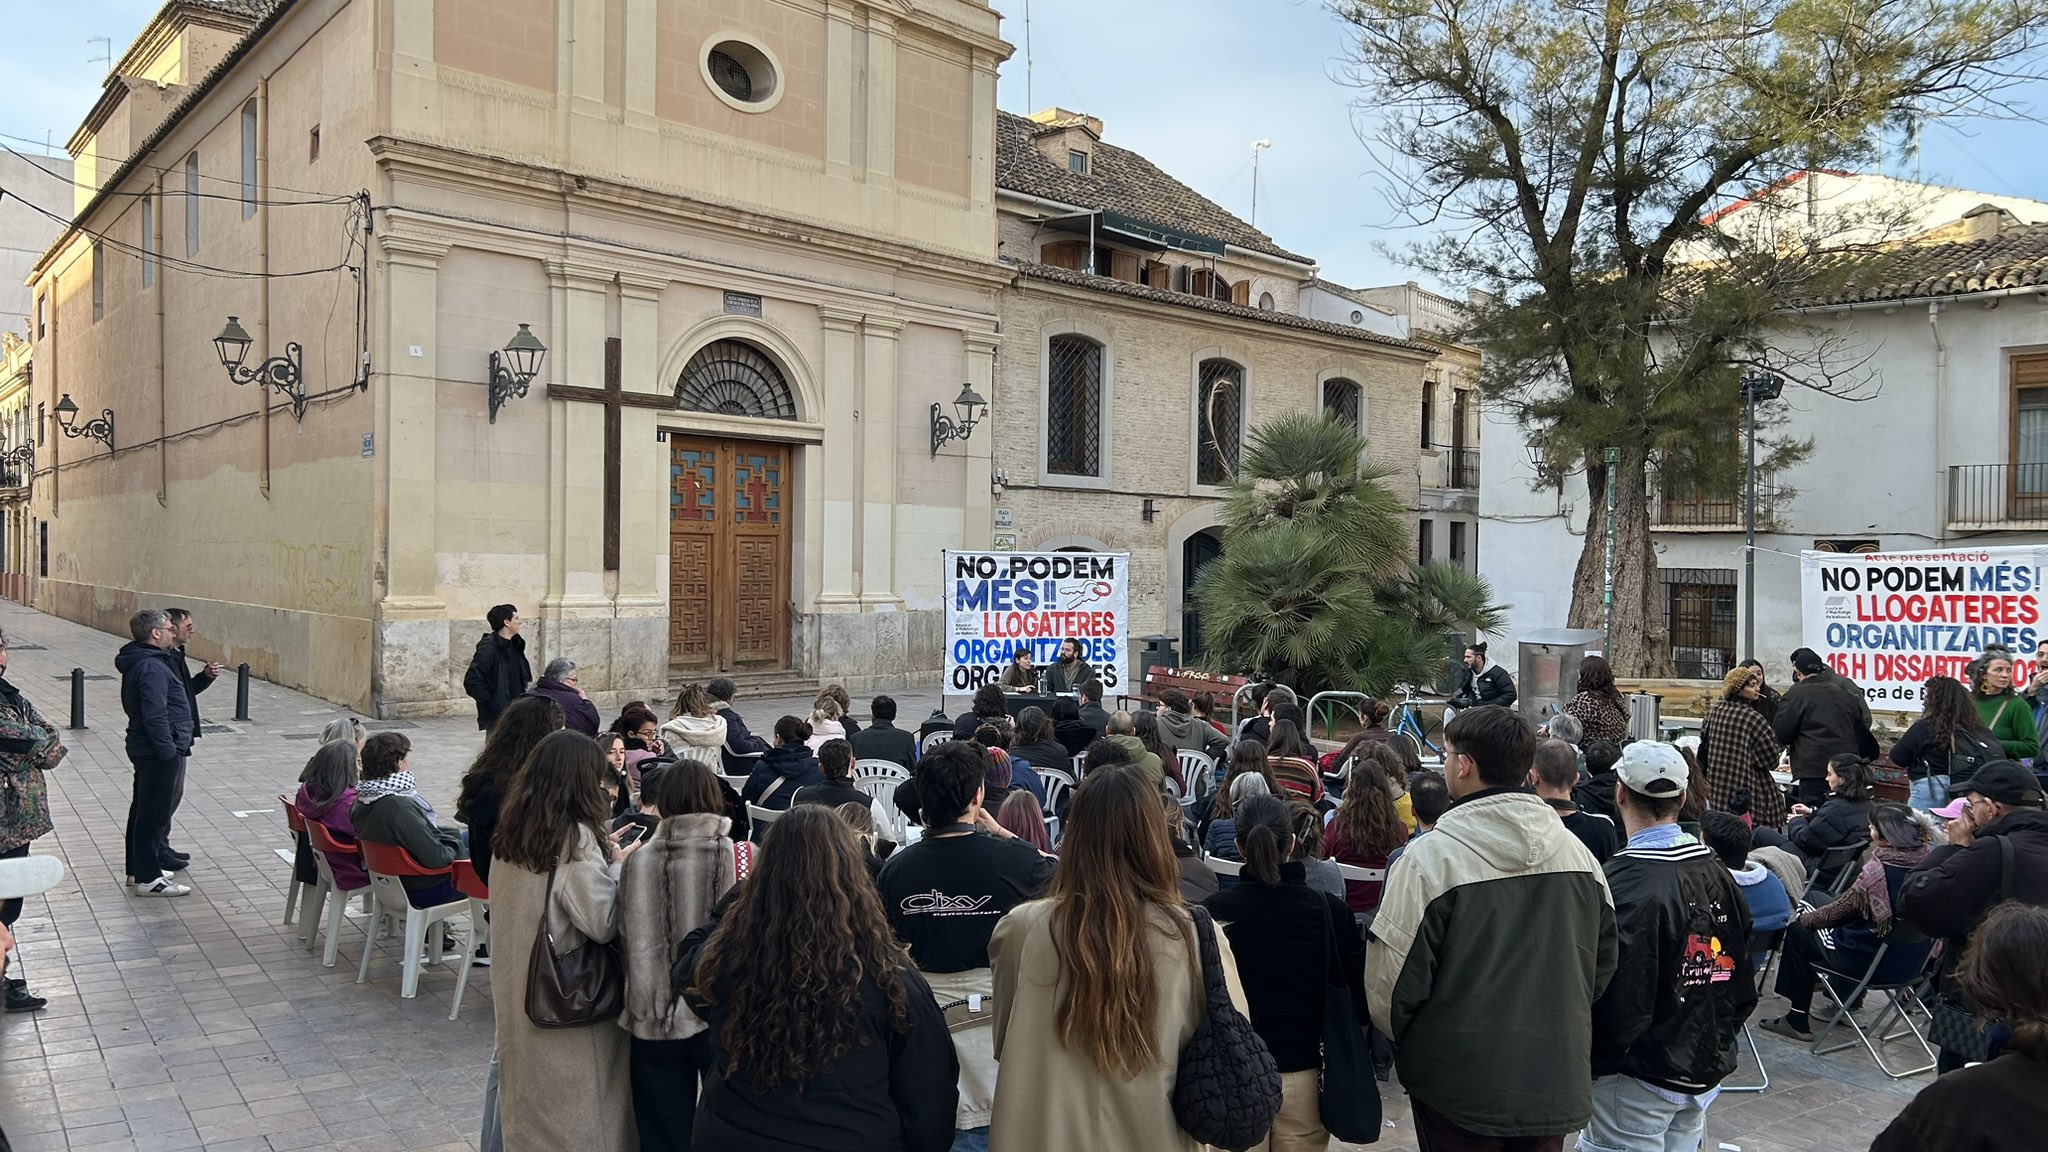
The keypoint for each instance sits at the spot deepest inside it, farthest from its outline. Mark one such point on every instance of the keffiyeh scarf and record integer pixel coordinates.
(396, 784)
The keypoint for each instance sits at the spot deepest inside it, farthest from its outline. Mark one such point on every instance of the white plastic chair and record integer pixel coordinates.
(1363, 875)
(762, 818)
(1198, 769)
(1222, 867)
(315, 903)
(933, 740)
(880, 779)
(389, 891)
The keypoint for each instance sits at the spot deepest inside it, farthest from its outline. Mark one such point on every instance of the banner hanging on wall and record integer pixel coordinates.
(1892, 620)
(997, 602)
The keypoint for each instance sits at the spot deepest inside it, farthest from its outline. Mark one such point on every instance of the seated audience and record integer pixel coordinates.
(666, 890)
(1203, 705)
(1246, 756)
(1222, 839)
(1858, 921)
(882, 740)
(1096, 989)
(1294, 761)
(990, 707)
(644, 813)
(558, 683)
(694, 731)
(1770, 906)
(801, 1057)
(1595, 793)
(1364, 832)
(825, 721)
(389, 809)
(1021, 816)
(873, 849)
(510, 741)
(1432, 796)
(1091, 711)
(1197, 880)
(742, 748)
(1179, 727)
(1554, 775)
(1123, 731)
(1037, 746)
(327, 792)
(1843, 818)
(1145, 726)
(839, 696)
(835, 764)
(785, 769)
(1323, 875)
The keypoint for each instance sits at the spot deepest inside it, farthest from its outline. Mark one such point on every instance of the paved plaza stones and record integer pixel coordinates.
(201, 1022)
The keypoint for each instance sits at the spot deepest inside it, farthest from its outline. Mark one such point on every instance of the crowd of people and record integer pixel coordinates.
(1552, 932)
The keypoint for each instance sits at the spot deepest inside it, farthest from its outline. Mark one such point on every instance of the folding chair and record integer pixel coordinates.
(1768, 945)
(388, 865)
(1898, 970)
(1834, 873)
(324, 843)
(471, 885)
(295, 890)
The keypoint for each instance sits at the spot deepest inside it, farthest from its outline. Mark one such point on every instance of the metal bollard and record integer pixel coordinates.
(78, 698)
(242, 691)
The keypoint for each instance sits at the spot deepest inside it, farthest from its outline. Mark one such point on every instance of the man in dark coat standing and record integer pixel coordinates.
(159, 739)
(558, 683)
(1821, 716)
(183, 628)
(498, 673)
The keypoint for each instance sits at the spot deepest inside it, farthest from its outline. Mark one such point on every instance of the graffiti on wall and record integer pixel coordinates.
(319, 577)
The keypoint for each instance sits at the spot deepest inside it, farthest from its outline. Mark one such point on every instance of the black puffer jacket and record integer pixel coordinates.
(153, 696)
(1952, 889)
(1837, 822)
(1670, 1015)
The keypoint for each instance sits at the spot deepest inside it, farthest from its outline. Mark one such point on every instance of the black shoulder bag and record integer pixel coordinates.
(1226, 1089)
(1350, 1094)
(1952, 1018)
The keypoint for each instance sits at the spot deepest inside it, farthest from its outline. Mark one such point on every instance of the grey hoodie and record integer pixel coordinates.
(1184, 730)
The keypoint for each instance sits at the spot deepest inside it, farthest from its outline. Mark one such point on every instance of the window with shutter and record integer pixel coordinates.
(1124, 266)
(1241, 293)
(1219, 419)
(1201, 282)
(1069, 254)
(1159, 276)
(2029, 449)
(1073, 406)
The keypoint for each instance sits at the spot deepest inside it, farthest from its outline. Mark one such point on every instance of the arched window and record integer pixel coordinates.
(1343, 402)
(733, 378)
(1265, 301)
(1219, 418)
(1073, 406)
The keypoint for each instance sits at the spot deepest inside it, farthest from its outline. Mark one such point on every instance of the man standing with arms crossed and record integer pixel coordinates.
(183, 628)
(159, 739)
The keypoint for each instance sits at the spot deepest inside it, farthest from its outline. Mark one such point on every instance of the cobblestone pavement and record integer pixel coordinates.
(201, 1022)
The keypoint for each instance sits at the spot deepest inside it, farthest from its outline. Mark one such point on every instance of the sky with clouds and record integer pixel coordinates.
(1189, 83)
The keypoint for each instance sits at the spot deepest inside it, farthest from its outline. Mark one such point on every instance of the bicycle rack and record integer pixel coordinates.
(1245, 690)
(1330, 721)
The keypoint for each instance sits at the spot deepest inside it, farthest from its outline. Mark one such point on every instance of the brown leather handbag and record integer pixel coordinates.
(586, 986)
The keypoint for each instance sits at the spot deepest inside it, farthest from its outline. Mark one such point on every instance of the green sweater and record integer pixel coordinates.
(2014, 727)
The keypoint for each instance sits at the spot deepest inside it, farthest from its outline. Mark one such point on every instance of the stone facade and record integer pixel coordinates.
(579, 167)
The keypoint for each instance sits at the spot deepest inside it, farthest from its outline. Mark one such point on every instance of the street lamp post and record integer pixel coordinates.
(1761, 386)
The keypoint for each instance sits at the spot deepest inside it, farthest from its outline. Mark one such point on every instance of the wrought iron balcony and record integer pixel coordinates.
(1452, 468)
(1985, 496)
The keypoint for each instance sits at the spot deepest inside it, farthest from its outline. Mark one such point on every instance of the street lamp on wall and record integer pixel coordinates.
(21, 461)
(286, 373)
(971, 407)
(515, 367)
(101, 429)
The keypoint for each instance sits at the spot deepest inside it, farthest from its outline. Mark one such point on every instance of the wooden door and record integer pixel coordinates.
(729, 516)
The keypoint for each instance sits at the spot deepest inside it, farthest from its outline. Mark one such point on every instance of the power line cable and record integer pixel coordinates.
(169, 261)
(170, 191)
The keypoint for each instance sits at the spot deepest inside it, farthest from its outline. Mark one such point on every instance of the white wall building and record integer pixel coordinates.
(32, 181)
(1949, 445)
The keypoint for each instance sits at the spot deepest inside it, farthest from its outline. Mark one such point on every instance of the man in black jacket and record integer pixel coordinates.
(1482, 683)
(1949, 892)
(882, 740)
(159, 739)
(743, 750)
(1092, 713)
(1664, 1030)
(498, 673)
(183, 628)
(1821, 716)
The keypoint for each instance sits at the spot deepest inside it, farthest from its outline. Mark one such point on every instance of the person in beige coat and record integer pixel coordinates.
(695, 731)
(559, 1088)
(1103, 1078)
(665, 891)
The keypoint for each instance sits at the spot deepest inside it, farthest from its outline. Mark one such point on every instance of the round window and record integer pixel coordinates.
(741, 73)
(1357, 317)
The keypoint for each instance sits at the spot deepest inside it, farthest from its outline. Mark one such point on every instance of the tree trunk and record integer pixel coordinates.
(1638, 645)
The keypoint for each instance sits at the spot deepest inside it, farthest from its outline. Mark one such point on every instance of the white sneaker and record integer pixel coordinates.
(162, 886)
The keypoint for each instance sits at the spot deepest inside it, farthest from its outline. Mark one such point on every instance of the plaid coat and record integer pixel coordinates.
(1739, 751)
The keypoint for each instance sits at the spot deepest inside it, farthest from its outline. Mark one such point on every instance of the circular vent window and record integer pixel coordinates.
(741, 73)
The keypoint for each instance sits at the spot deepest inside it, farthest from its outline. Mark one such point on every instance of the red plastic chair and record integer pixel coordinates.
(295, 890)
(325, 845)
(471, 885)
(387, 865)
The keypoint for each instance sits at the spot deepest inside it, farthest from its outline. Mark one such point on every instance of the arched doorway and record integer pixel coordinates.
(731, 504)
(1196, 552)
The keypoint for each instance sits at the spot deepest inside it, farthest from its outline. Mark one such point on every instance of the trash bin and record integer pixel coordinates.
(1156, 651)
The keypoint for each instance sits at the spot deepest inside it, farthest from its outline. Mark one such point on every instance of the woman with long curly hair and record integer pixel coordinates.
(1364, 832)
(559, 1087)
(519, 730)
(823, 1035)
(1098, 987)
(1946, 746)
(1598, 705)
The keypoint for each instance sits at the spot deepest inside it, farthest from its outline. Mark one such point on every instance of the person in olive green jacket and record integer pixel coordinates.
(1494, 938)
(2005, 711)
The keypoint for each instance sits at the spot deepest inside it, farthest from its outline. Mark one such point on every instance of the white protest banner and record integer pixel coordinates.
(997, 602)
(1892, 620)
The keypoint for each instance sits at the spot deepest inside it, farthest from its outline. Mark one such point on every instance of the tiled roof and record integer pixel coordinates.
(1220, 307)
(1119, 180)
(2016, 257)
(253, 9)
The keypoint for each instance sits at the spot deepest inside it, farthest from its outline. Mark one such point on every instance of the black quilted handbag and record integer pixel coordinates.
(1226, 1090)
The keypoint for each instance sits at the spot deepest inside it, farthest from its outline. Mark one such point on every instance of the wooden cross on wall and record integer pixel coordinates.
(616, 400)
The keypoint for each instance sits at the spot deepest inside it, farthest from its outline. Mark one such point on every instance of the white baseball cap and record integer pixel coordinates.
(1653, 769)
(29, 875)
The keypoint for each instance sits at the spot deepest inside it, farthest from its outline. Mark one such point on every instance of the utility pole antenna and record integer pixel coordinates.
(1258, 146)
(106, 57)
(1029, 106)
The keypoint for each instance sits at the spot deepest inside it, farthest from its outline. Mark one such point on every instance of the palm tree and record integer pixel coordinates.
(1314, 587)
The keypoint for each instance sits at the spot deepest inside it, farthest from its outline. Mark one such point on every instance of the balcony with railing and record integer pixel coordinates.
(1690, 509)
(1456, 469)
(1987, 497)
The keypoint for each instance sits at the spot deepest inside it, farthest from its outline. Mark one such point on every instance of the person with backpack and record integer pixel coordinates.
(1947, 745)
(2004, 710)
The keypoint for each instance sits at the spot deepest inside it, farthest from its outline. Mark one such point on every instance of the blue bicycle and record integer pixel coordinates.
(1422, 730)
